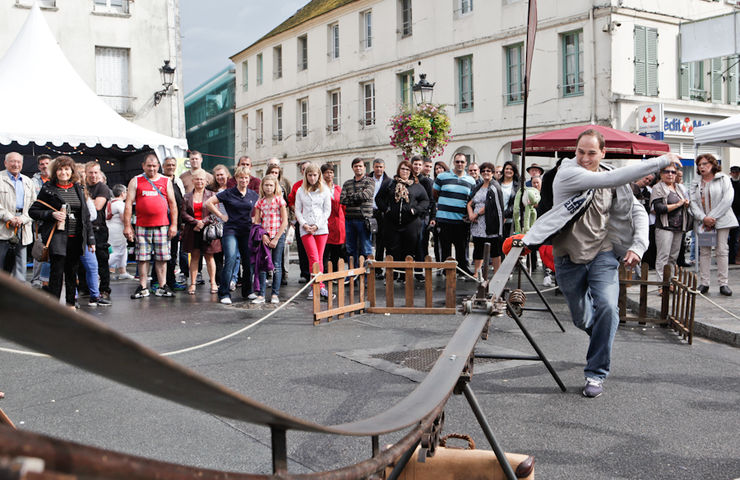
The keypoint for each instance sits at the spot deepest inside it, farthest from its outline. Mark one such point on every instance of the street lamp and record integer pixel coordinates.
(168, 76)
(423, 90)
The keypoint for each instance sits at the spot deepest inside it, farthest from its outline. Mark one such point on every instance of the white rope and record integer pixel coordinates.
(719, 306)
(195, 347)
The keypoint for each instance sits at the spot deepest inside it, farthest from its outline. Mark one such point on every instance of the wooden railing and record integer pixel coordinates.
(388, 265)
(678, 299)
(343, 282)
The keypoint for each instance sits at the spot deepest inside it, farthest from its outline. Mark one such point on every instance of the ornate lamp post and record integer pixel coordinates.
(423, 90)
(168, 75)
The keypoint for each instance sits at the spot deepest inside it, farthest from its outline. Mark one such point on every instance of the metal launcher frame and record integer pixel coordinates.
(40, 323)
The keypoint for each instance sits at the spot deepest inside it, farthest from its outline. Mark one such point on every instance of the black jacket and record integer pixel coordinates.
(509, 210)
(494, 214)
(736, 199)
(403, 212)
(43, 215)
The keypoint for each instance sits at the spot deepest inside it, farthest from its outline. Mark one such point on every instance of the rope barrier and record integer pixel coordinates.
(194, 347)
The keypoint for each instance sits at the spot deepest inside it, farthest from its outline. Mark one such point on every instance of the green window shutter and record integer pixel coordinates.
(732, 80)
(717, 80)
(652, 61)
(684, 81)
(640, 60)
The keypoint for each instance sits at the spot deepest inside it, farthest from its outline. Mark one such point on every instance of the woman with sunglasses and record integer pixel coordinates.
(671, 207)
(486, 214)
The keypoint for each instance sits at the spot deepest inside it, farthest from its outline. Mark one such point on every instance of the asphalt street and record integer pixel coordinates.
(670, 410)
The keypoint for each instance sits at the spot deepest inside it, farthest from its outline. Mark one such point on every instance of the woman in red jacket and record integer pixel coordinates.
(335, 243)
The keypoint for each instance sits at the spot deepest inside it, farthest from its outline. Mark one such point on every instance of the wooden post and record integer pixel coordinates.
(371, 283)
(428, 279)
(362, 286)
(362, 282)
(316, 292)
(389, 283)
(450, 282)
(622, 302)
(330, 289)
(341, 267)
(352, 282)
(409, 273)
(643, 293)
(666, 289)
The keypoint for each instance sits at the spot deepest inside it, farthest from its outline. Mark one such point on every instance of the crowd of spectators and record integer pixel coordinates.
(240, 226)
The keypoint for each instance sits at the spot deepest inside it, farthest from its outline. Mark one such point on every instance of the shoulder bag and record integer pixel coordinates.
(40, 251)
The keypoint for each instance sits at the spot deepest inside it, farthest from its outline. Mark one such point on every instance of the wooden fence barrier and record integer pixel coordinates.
(678, 301)
(342, 277)
(408, 266)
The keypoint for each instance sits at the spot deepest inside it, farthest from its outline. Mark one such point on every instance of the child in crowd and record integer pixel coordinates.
(271, 212)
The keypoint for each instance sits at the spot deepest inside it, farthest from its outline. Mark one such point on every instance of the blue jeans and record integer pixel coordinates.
(592, 291)
(19, 270)
(277, 275)
(90, 263)
(358, 239)
(231, 245)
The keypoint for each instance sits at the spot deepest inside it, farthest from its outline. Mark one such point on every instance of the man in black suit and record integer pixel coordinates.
(381, 182)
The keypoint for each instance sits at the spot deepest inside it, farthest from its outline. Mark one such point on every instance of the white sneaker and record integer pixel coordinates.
(226, 301)
(252, 296)
(547, 282)
(310, 294)
(275, 299)
(259, 299)
(125, 276)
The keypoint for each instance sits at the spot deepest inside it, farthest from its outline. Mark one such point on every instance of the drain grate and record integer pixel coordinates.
(422, 359)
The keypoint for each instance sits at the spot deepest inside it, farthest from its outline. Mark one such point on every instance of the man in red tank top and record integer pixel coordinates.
(154, 197)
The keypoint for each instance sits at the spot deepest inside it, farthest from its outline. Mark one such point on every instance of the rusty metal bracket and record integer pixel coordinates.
(430, 438)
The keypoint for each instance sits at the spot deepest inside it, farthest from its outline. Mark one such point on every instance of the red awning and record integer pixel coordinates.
(618, 143)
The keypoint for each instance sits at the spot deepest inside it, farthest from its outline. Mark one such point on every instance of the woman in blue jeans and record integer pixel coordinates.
(271, 211)
(239, 202)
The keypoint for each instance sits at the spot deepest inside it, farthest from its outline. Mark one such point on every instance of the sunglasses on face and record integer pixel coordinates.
(669, 172)
(486, 170)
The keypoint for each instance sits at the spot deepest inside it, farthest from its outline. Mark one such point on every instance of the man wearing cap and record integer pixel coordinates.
(534, 170)
(735, 232)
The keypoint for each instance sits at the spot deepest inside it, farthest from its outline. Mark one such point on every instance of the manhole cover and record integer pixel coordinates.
(422, 359)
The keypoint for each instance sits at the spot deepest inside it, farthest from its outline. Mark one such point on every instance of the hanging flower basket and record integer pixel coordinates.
(424, 130)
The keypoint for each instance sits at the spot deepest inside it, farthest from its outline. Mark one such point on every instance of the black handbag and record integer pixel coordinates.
(371, 225)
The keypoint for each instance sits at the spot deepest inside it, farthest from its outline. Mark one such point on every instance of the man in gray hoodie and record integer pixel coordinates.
(594, 224)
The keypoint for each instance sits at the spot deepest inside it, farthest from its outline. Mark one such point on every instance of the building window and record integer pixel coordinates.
(260, 140)
(245, 75)
(404, 17)
(514, 74)
(112, 77)
(463, 7)
(732, 79)
(368, 104)
(717, 78)
(259, 69)
(302, 52)
(366, 29)
(646, 61)
(42, 3)
(245, 131)
(111, 6)
(405, 82)
(572, 46)
(333, 41)
(692, 81)
(302, 120)
(277, 123)
(335, 111)
(465, 83)
(277, 62)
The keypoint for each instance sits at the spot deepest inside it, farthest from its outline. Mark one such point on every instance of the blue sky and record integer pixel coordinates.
(213, 31)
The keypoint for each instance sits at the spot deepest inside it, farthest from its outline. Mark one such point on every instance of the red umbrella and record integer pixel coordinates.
(618, 143)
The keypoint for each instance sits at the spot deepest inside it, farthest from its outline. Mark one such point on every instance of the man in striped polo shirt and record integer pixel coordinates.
(451, 191)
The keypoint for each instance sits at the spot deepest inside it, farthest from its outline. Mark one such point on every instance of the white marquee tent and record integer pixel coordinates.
(43, 100)
(725, 133)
